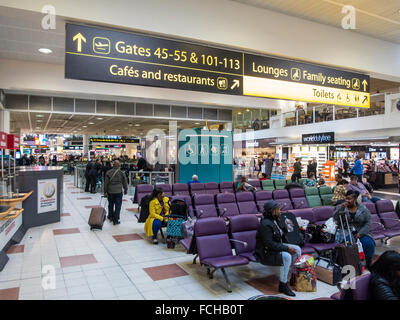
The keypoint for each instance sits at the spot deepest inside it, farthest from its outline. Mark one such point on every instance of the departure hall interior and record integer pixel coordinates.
(248, 153)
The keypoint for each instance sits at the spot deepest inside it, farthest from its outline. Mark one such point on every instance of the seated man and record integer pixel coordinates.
(354, 185)
(311, 181)
(195, 179)
(243, 185)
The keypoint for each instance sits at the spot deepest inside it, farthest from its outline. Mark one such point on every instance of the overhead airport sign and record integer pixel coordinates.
(122, 57)
(114, 140)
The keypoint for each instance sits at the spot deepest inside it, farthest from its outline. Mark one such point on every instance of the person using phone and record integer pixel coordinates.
(271, 249)
(359, 219)
(158, 212)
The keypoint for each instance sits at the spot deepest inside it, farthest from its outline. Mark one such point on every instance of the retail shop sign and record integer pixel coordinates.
(100, 54)
(47, 195)
(113, 140)
(318, 138)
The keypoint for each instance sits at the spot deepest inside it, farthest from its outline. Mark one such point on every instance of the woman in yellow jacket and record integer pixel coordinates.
(158, 210)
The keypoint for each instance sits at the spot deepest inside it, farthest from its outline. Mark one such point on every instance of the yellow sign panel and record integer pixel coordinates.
(278, 89)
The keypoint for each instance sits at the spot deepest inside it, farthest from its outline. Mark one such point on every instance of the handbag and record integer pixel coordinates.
(328, 271)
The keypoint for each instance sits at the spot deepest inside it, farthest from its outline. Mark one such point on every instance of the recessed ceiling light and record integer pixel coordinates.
(117, 130)
(137, 125)
(84, 126)
(39, 116)
(99, 118)
(197, 123)
(38, 120)
(90, 122)
(45, 50)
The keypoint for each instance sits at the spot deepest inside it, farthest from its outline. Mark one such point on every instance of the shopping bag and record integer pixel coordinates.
(305, 277)
(330, 226)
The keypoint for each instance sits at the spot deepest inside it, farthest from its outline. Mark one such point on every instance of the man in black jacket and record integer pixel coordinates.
(89, 166)
(270, 248)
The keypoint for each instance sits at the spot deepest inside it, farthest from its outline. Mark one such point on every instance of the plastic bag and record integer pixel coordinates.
(330, 226)
(303, 223)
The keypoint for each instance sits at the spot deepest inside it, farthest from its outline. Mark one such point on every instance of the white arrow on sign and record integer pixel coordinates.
(235, 84)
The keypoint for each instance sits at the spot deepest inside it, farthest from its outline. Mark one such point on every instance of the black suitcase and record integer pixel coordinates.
(291, 229)
(348, 254)
(97, 217)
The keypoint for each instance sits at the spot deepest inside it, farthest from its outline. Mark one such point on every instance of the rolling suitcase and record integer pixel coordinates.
(348, 254)
(97, 217)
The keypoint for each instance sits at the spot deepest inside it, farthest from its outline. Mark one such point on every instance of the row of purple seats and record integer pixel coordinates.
(385, 223)
(230, 204)
(316, 215)
(195, 188)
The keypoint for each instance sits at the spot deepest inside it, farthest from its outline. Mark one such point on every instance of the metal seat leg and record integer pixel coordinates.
(229, 289)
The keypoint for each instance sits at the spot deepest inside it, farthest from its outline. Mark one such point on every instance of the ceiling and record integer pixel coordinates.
(376, 18)
(104, 125)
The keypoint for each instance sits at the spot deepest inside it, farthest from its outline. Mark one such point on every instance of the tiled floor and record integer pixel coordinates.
(120, 262)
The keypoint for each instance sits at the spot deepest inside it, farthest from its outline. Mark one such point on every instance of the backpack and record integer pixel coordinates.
(318, 234)
(178, 207)
(291, 229)
(144, 208)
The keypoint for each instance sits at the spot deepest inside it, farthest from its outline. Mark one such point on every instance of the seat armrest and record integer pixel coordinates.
(242, 242)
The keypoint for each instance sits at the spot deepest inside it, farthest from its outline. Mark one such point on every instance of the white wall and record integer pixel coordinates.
(236, 25)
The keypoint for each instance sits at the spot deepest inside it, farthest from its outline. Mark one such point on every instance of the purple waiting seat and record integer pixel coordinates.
(298, 198)
(166, 188)
(188, 201)
(226, 203)
(308, 214)
(180, 189)
(371, 207)
(359, 288)
(211, 188)
(243, 229)
(142, 190)
(389, 218)
(282, 197)
(262, 197)
(197, 188)
(321, 214)
(377, 228)
(246, 203)
(214, 247)
(256, 184)
(226, 187)
(204, 206)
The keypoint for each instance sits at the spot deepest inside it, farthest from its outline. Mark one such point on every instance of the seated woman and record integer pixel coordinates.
(359, 219)
(158, 211)
(385, 277)
(311, 181)
(270, 248)
(339, 195)
(243, 185)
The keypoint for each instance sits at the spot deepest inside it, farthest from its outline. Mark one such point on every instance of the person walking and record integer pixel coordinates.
(309, 168)
(358, 169)
(340, 166)
(315, 167)
(296, 176)
(345, 167)
(114, 182)
(271, 250)
(87, 175)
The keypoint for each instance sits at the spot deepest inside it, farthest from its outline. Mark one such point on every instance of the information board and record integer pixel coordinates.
(100, 54)
(47, 195)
